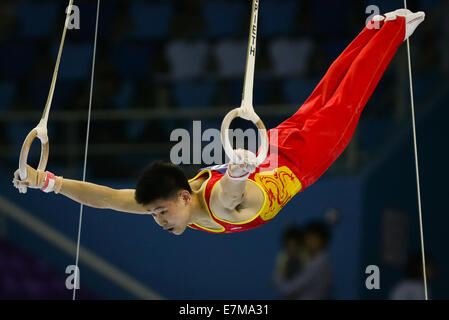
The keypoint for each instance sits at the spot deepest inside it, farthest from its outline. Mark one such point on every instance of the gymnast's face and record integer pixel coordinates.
(173, 214)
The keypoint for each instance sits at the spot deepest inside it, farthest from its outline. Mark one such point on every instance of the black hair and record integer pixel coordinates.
(291, 232)
(160, 180)
(319, 228)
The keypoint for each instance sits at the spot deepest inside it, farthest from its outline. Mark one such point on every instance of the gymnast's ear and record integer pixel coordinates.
(185, 196)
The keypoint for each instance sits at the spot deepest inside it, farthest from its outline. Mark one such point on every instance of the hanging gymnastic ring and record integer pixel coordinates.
(254, 118)
(38, 132)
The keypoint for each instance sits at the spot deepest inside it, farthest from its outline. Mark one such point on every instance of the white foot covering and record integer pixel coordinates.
(412, 20)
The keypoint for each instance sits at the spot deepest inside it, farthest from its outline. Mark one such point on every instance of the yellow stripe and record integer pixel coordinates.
(204, 200)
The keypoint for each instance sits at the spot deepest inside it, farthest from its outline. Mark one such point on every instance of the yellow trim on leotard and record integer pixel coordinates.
(206, 205)
(278, 186)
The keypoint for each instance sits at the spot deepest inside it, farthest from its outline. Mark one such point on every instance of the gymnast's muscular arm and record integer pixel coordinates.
(231, 192)
(89, 194)
(97, 196)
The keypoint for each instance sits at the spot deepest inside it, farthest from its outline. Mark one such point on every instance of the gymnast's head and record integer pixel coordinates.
(163, 189)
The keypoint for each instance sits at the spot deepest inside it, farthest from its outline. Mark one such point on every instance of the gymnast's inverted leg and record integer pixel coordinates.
(313, 138)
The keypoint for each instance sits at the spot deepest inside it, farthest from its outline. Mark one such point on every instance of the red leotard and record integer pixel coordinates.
(305, 145)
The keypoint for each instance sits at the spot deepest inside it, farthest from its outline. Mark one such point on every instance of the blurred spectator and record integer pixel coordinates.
(292, 258)
(411, 287)
(332, 216)
(314, 282)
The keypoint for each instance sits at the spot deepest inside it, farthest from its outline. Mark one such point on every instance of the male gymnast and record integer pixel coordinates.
(238, 196)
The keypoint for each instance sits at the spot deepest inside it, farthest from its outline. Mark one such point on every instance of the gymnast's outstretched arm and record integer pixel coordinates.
(89, 194)
(98, 196)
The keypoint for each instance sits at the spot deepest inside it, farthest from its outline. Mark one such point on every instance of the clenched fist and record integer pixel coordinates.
(244, 163)
(35, 180)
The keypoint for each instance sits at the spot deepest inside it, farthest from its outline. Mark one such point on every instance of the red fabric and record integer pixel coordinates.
(313, 138)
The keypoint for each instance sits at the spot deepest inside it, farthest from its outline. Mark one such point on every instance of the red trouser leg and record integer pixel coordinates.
(312, 139)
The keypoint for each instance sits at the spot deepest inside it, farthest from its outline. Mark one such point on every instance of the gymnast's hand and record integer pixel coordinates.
(244, 163)
(35, 180)
(231, 188)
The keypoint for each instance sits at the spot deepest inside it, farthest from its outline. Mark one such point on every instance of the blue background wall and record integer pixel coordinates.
(391, 182)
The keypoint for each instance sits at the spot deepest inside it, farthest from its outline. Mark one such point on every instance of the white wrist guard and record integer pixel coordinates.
(240, 178)
(52, 183)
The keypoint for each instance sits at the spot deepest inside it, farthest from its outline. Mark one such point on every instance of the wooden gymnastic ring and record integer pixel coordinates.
(231, 115)
(45, 150)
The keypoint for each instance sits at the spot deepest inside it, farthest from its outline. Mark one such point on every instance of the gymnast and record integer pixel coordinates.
(240, 195)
